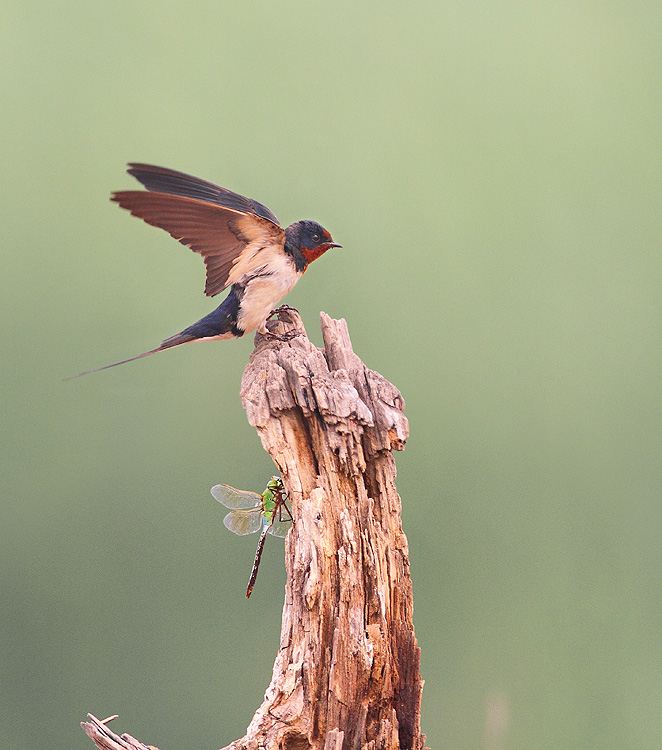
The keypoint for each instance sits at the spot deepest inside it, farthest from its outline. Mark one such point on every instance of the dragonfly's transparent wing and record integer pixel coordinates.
(280, 528)
(282, 522)
(244, 522)
(233, 498)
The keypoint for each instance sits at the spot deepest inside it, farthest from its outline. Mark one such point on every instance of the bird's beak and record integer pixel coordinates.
(333, 244)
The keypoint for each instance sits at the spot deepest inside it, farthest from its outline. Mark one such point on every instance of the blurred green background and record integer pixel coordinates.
(493, 172)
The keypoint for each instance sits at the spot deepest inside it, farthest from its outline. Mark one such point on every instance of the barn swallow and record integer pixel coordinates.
(241, 242)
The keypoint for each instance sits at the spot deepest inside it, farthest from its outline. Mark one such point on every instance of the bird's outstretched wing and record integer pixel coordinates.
(163, 180)
(220, 225)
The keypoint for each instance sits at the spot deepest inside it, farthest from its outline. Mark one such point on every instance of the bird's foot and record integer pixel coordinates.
(287, 336)
(282, 308)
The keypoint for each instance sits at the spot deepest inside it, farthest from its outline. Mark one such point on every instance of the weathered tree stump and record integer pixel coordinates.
(347, 672)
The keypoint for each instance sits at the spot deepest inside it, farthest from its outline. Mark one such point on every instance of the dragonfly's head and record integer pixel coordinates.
(274, 486)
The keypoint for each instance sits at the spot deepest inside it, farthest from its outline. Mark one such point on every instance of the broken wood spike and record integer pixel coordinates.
(104, 739)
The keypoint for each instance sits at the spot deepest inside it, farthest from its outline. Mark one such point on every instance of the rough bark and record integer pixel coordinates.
(346, 675)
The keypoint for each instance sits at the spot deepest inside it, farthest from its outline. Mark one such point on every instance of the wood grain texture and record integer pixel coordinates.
(347, 672)
(346, 676)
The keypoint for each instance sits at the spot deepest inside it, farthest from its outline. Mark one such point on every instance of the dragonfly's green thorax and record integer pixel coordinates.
(271, 496)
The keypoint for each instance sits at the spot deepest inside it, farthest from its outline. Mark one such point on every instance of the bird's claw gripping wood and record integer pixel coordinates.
(286, 327)
(283, 308)
(287, 336)
(281, 313)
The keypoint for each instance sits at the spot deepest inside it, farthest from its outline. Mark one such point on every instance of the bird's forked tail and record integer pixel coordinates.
(176, 340)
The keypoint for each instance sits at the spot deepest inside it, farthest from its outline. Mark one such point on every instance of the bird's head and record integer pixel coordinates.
(311, 238)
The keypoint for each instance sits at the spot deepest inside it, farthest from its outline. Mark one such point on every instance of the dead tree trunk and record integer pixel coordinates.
(347, 672)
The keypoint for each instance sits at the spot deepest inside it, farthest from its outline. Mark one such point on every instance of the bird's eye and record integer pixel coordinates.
(316, 238)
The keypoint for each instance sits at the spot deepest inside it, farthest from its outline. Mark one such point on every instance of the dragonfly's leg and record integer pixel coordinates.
(282, 509)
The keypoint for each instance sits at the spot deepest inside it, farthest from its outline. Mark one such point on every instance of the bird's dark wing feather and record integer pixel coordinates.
(162, 180)
(219, 234)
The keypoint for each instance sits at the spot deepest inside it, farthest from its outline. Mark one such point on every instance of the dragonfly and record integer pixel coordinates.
(250, 513)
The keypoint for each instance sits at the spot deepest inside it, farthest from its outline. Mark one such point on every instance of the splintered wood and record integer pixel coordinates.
(346, 676)
(347, 672)
(97, 730)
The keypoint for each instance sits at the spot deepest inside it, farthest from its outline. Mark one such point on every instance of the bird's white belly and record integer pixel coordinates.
(262, 295)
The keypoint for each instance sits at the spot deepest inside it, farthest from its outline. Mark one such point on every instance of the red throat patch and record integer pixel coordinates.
(311, 254)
